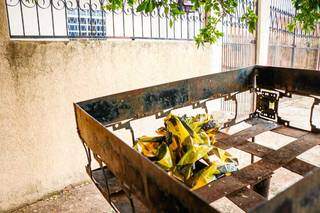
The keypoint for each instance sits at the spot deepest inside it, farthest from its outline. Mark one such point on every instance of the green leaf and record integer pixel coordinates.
(142, 6)
(166, 10)
(170, 22)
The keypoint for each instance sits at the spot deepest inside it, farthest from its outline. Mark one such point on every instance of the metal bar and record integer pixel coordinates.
(132, 17)
(293, 46)
(52, 19)
(303, 196)
(296, 165)
(147, 181)
(167, 30)
(220, 188)
(194, 24)
(287, 153)
(239, 137)
(116, 196)
(38, 21)
(91, 26)
(22, 19)
(96, 38)
(150, 24)
(181, 26)
(79, 20)
(113, 26)
(262, 187)
(291, 132)
(104, 28)
(66, 18)
(252, 155)
(159, 34)
(123, 20)
(318, 57)
(188, 25)
(258, 171)
(174, 28)
(140, 175)
(141, 25)
(299, 81)
(149, 101)
(8, 19)
(246, 198)
(300, 167)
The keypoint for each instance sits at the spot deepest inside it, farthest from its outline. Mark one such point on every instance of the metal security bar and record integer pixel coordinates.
(51, 19)
(291, 49)
(238, 50)
(238, 43)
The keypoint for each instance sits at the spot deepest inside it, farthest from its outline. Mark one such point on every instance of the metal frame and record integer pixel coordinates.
(143, 181)
(58, 10)
(283, 42)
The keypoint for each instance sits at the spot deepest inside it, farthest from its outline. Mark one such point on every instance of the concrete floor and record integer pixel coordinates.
(86, 198)
(82, 198)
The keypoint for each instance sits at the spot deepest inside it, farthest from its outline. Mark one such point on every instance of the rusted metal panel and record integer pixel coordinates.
(144, 178)
(219, 188)
(291, 132)
(299, 166)
(258, 171)
(118, 198)
(254, 148)
(259, 126)
(299, 81)
(151, 100)
(288, 152)
(246, 198)
(249, 175)
(296, 165)
(251, 132)
(303, 196)
(161, 192)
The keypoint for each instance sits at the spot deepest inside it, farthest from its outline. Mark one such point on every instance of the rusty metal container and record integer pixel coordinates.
(147, 188)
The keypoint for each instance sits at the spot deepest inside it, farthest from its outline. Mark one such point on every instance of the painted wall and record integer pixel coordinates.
(39, 81)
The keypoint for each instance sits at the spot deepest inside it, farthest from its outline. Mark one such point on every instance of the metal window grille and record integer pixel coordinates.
(291, 49)
(51, 19)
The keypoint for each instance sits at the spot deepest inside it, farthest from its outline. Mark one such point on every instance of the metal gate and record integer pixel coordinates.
(238, 50)
(291, 49)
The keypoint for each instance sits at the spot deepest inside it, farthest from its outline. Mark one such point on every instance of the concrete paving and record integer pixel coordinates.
(84, 198)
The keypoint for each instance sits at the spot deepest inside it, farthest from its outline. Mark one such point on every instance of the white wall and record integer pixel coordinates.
(39, 81)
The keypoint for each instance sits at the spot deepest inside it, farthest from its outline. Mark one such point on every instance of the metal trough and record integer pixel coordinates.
(131, 182)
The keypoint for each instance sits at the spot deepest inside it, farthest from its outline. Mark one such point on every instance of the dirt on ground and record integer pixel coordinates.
(84, 198)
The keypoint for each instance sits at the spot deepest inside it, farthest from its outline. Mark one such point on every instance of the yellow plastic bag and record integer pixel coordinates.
(184, 147)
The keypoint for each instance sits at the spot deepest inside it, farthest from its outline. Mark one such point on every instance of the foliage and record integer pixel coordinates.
(307, 14)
